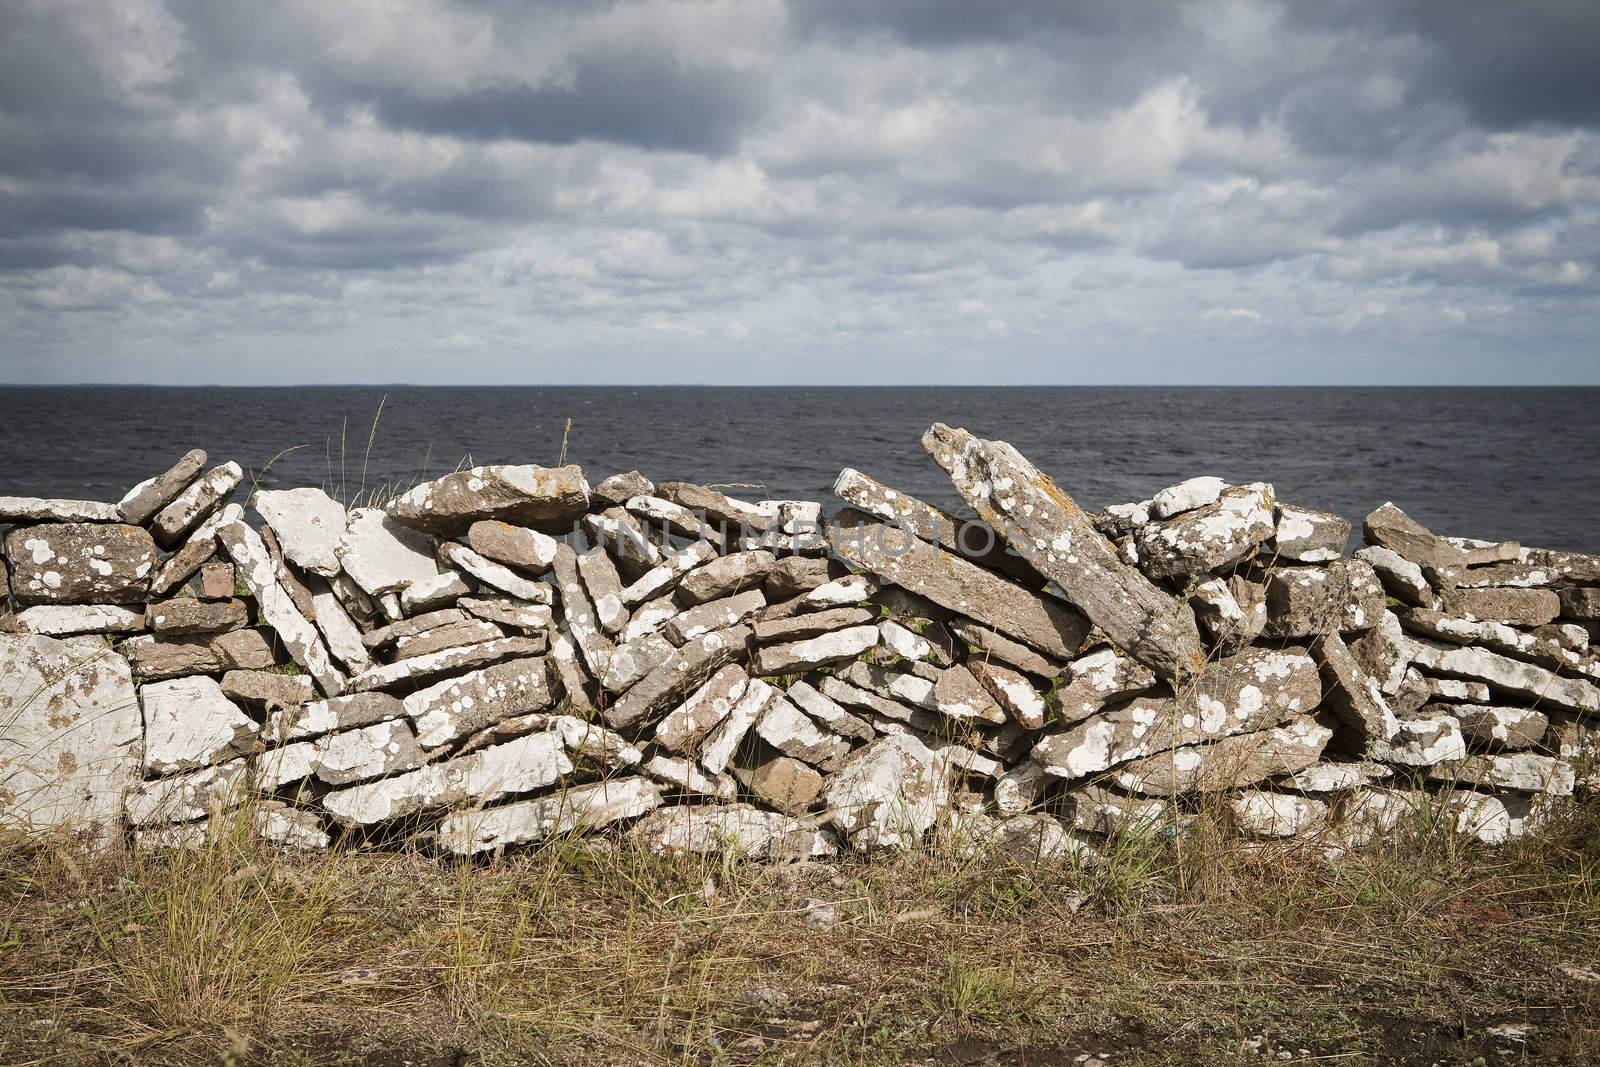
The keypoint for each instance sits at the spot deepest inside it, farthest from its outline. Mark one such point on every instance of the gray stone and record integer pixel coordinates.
(794, 657)
(1306, 536)
(1096, 810)
(793, 733)
(217, 581)
(1307, 601)
(882, 709)
(514, 546)
(1048, 529)
(143, 501)
(719, 507)
(494, 574)
(984, 642)
(649, 617)
(1493, 635)
(72, 733)
(191, 507)
(1487, 553)
(30, 509)
(369, 752)
(620, 488)
(527, 495)
(713, 615)
(1186, 496)
(518, 766)
(309, 525)
(426, 668)
(848, 591)
(739, 830)
(1519, 573)
(1335, 777)
(300, 638)
(1576, 567)
(785, 784)
(907, 644)
(1456, 691)
(1209, 538)
(580, 808)
(1354, 698)
(795, 575)
(633, 660)
(673, 518)
(434, 594)
(340, 632)
(186, 615)
(828, 713)
(385, 636)
(1581, 602)
(725, 576)
(913, 687)
(577, 688)
(687, 725)
(1096, 680)
(1232, 612)
(509, 612)
(1428, 737)
(1501, 728)
(682, 775)
(267, 690)
(888, 794)
(1013, 692)
(957, 695)
(1394, 529)
(617, 533)
(604, 586)
(971, 539)
(200, 547)
(1506, 675)
(382, 556)
(1515, 607)
(80, 563)
(1384, 653)
(719, 746)
(67, 620)
(660, 579)
(190, 723)
(1262, 814)
(299, 722)
(1248, 692)
(155, 658)
(685, 669)
(810, 624)
(1021, 788)
(453, 635)
(1525, 772)
(187, 797)
(1231, 763)
(579, 613)
(1401, 578)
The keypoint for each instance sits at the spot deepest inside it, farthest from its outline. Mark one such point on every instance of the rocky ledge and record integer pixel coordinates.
(510, 653)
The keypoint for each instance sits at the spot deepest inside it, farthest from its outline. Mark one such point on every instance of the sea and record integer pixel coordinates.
(1493, 463)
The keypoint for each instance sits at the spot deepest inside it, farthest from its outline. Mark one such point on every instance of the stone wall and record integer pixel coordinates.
(509, 653)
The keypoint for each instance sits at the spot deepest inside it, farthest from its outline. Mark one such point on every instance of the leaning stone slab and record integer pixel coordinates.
(66, 620)
(514, 546)
(847, 591)
(1231, 763)
(1525, 772)
(191, 507)
(187, 797)
(790, 731)
(685, 669)
(972, 540)
(632, 660)
(299, 636)
(578, 612)
(619, 534)
(296, 723)
(913, 687)
(518, 766)
(1209, 538)
(1503, 728)
(154, 658)
(192, 556)
(713, 615)
(494, 574)
(604, 586)
(795, 657)
(382, 556)
(1506, 675)
(1394, 529)
(1047, 528)
(811, 624)
(984, 642)
(1495, 636)
(1013, 692)
(1401, 578)
(71, 729)
(649, 617)
(309, 524)
(440, 638)
(725, 576)
(526, 495)
(426, 668)
(730, 829)
(683, 776)
(386, 636)
(1232, 612)
(620, 488)
(888, 794)
(724, 739)
(190, 723)
(829, 713)
(1250, 691)
(143, 501)
(458, 706)
(1096, 680)
(368, 752)
(721, 508)
(659, 579)
(1354, 698)
(30, 509)
(338, 629)
(1306, 536)
(584, 807)
(957, 695)
(80, 563)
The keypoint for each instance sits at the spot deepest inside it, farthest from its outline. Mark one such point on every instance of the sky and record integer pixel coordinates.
(810, 191)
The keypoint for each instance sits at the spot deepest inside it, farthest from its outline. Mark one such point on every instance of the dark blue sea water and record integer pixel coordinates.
(1493, 463)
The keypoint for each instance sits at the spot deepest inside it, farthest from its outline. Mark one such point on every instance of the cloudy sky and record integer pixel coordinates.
(749, 191)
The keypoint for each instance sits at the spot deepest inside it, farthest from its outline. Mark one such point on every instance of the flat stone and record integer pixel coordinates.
(619, 535)
(186, 615)
(1426, 738)
(1013, 692)
(514, 546)
(385, 636)
(299, 637)
(725, 576)
(518, 766)
(713, 615)
(786, 784)
(369, 752)
(1515, 607)
(434, 594)
(828, 713)
(660, 579)
(1306, 536)
(187, 797)
(1401, 578)
(682, 775)
(158, 658)
(66, 620)
(1393, 529)
(1209, 538)
(793, 576)
(270, 822)
(984, 642)
(526, 495)
(217, 581)
(1096, 810)
(1243, 693)
(1335, 777)
(1262, 814)
(649, 617)
(958, 695)
(810, 624)
(309, 525)
(1578, 567)
(794, 657)
(454, 635)
(80, 563)
(731, 829)
(1048, 529)
(1519, 574)
(29, 509)
(267, 690)
(382, 556)
(190, 723)
(143, 501)
(795, 734)
(847, 591)
(494, 574)
(1353, 697)
(906, 643)
(1496, 636)
(1456, 691)
(426, 668)
(1231, 763)
(1096, 680)
(580, 808)
(191, 507)
(1484, 553)
(1503, 728)
(1526, 772)
(633, 660)
(669, 518)
(888, 794)
(719, 507)
(683, 671)
(200, 547)
(508, 612)
(297, 723)
(339, 631)
(1186, 496)
(1231, 611)
(883, 710)
(72, 733)
(456, 707)
(620, 488)
(971, 539)
(1507, 675)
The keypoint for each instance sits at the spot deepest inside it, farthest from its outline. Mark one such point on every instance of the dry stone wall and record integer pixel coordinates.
(510, 653)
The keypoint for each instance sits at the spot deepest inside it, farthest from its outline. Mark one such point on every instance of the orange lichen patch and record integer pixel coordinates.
(1045, 485)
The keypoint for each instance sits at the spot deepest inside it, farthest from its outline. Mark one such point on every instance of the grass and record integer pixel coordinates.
(1203, 950)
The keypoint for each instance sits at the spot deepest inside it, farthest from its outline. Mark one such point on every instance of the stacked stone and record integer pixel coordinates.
(506, 654)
